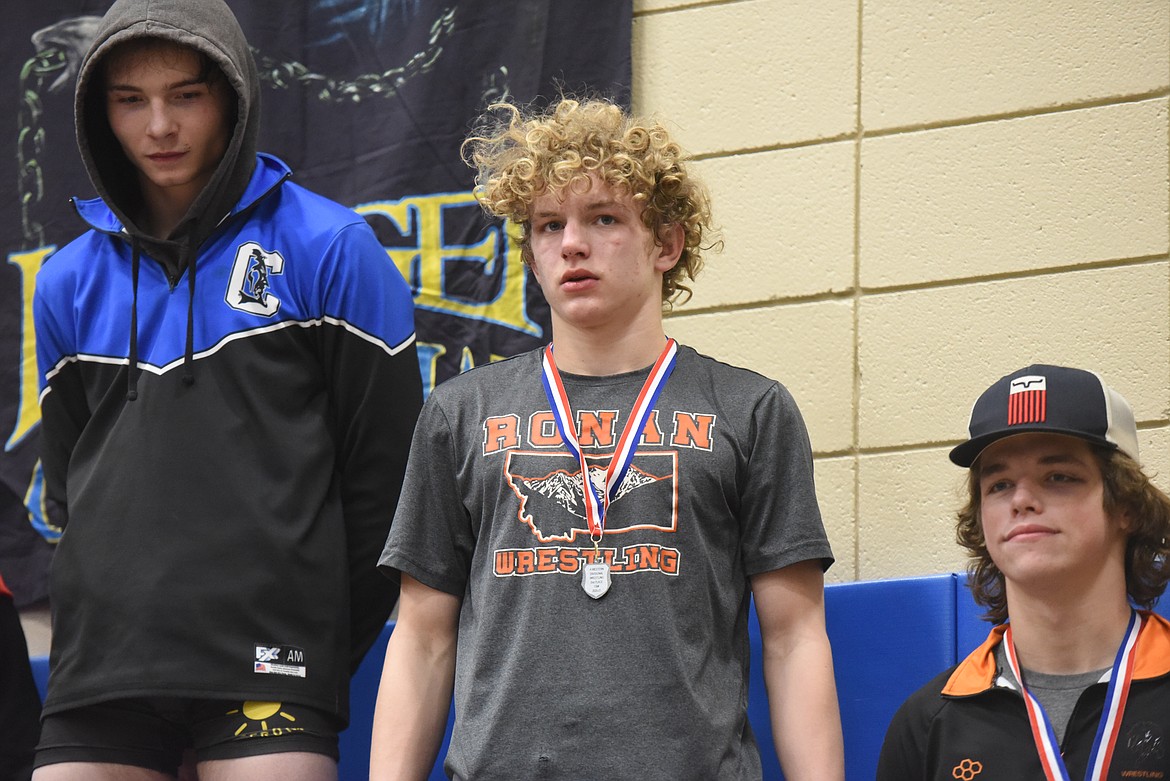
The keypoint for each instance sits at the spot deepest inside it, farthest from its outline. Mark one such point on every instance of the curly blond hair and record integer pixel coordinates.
(1127, 491)
(520, 153)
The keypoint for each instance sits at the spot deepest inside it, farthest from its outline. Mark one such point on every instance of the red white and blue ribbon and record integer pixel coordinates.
(1107, 730)
(597, 502)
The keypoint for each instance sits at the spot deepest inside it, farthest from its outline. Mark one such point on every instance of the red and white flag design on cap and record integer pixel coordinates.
(1027, 400)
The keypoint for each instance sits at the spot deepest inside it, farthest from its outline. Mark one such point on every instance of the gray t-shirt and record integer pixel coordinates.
(1057, 694)
(650, 681)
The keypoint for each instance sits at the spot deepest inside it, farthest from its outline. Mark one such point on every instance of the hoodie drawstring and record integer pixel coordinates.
(188, 355)
(132, 373)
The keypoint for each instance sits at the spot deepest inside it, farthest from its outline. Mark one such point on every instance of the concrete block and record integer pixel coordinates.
(907, 502)
(939, 62)
(926, 355)
(746, 75)
(778, 342)
(786, 219)
(1038, 192)
(643, 6)
(836, 480)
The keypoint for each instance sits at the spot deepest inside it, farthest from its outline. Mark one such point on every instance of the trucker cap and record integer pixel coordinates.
(1052, 399)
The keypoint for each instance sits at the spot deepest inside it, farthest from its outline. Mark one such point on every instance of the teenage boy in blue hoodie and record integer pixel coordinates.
(229, 385)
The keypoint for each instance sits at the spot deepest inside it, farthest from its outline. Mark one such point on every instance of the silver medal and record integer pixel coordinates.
(595, 579)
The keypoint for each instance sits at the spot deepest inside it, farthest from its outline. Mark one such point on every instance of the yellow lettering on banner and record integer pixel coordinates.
(34, 500)
(28, 414)
(467, 362)
(420, 218)
(429, 354)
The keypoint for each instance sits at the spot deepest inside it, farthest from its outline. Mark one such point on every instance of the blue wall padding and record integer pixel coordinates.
(889, 637)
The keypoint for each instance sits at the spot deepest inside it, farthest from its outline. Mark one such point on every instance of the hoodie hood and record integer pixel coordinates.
(210, 27)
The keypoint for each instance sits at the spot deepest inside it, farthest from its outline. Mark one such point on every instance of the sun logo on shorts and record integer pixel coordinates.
(261, 712)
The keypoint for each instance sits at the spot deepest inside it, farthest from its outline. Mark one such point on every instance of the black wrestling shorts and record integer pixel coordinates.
(156, 732)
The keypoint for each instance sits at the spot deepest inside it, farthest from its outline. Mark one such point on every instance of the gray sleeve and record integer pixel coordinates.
(431, 538)
(780, 520)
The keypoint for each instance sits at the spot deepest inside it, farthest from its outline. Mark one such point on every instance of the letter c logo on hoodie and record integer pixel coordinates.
(248, 288)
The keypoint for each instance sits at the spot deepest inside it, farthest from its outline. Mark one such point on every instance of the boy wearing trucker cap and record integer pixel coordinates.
(1067, 539)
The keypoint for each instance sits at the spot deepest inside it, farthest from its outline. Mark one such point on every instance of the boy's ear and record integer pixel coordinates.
(526, 256)
(671, 239)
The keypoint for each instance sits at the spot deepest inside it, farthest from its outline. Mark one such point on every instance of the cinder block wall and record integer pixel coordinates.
(918, 197)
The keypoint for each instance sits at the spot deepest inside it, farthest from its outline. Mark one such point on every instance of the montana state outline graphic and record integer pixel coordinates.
(552, 502)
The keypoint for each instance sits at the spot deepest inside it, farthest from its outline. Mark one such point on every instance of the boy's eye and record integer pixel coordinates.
(607, 219)
(550, 226)
(995, 487)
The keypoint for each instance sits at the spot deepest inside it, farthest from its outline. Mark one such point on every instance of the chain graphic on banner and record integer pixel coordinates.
(283, 75)
(43, 67)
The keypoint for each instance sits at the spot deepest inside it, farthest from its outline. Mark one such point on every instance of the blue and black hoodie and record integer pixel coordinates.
(227, 413)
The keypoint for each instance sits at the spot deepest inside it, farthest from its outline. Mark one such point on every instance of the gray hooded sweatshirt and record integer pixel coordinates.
(208, 26)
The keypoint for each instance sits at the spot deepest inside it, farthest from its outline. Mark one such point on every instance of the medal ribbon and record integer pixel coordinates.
(595, 504)
(1107, 730)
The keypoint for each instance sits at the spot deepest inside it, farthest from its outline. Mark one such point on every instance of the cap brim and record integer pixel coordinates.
(964, 455)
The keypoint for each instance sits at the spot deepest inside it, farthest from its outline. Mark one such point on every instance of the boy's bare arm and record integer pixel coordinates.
(798, 672)
(414, 695)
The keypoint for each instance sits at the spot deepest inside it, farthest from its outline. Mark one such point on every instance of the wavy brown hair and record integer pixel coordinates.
(520, 153)
(1127, 491)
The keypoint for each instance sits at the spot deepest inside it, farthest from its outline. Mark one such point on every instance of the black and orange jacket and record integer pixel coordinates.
(970, 724)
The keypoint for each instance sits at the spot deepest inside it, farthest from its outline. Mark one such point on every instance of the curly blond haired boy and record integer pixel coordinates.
(582, 527)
